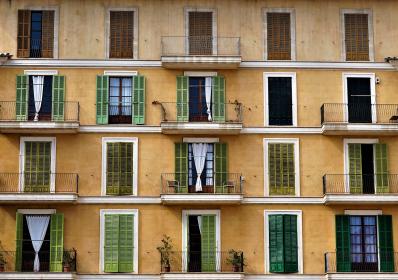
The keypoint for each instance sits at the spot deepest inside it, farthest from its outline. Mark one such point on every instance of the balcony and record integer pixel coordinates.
(200, 52)
(219, 188)
(11, 122)
(38, 188)
(360, 189)
(192, 118)
(357, 119)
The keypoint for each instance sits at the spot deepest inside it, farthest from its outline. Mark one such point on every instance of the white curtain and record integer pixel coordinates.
(37, 226)
(208, 85)
(38, 83)
(199, 156)
(200, 224)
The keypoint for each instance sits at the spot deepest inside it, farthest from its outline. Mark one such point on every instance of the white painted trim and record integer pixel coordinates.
(104, 212)
(296, 143)
(370, 30)
(37, 211)
(299, 215)
(363, 212)
(360, 276)
(38, 275)
(200, 140)
(282, 200)
(200, 74)
(281, 130)
(53, 141)
(201, 199)
(37, 198)
(118, 200)
(119, 129)
(105, 141)
(40, 72)
(135, 30)
(291, 75)
(285, 276)
(120, 73)
(292, 13)
(375, 199)
(185, 214)
(203, 276)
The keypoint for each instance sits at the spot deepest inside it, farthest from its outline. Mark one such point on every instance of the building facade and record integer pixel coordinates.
(256, 138)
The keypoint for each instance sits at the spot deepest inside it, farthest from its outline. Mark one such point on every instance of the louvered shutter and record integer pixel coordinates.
(181, 166)
(37, 167)
(343, 255)
(56, 242)
(386, 248)
(18, 240)
(355, 168)
(290, 243)
(356, 37)
(200, 33)
(121, 34)
(58, 98)
(381, 154)
(138, 100)
(182, 99)
(23, 41)
(47, 40)
(102, 99)
(281, 168)
(218, 91)
(126, 243)
(278, 36)
(276, 239)
(119, 169)
(208, 243)
(22, 97)
(221, 168)
(111, 246)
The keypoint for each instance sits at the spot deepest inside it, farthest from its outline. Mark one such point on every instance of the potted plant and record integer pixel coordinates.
(236, 259)
(68, 261)
(2, 262)
(165, 252)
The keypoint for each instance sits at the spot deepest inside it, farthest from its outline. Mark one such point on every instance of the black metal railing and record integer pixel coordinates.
(378, 183)
(39, 182)
(200, 45)
(359, 113)
(8, 261)
(214, 183)
(212, 261)
(69, 112)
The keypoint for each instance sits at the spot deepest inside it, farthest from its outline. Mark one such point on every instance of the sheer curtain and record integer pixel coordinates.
(199, 151)
(200, 223)
(208, 85)
(38, 84)
(127, 96)
(37, 226)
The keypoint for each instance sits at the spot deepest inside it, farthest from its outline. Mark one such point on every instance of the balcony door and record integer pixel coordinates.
(198, 111)
(120, 100)
(359, 100)
(206, 177)
(40, 98)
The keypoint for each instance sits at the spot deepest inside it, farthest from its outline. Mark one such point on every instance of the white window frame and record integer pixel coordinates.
(292, 13)
(200, 140)
(120, 73)
(214, 26)
(105, 141)
(296, 143)
(200, 74)
(185, 214)
(299, 215)
(370, 29)
(104, 212)
(40, 72)
(37, 211)
(291, 75)
(22, 160)
(108, 32)
(372, 78)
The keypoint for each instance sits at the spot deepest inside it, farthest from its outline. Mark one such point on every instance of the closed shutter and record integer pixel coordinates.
(102, 99)
(381, 154)
(200, 33)
(18, 240)
(281, 168)
(47, 43)
(208, 243)
(126, 243)
(343, 257)
(22, 98)
(276, 239)
(138, 100)
(290, 243)
(218, 111)
(23, 43)
(386, 249)
(56, 242)
(58, 96)
(221, 168)
(355, 168)
(181, 166)
(278, 36)
(356, 37)
(182, 98)
(37, 166)
(121, 34)
(111, 246)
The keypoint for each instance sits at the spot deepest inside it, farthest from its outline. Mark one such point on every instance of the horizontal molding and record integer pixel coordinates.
(118, 200)
(201, 198)
(281, 130)
(361, 276)
(119, 129)
(37, 198)
(360, 199)
(283, 200)
(202, 276)
(117, 276)
(285, 276)
(317, 65)
(37, 275)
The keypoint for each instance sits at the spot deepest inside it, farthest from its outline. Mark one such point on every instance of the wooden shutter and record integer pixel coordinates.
(276, 239)
(356, 37)
(37, 166)
(343, 256)
(47, 40)
(56, 242)
(23, 43)
(126, 243)
(386, 249)
(138, 100)
(278, 36)
(200, 33)
(182, 99)
(181, 166)
(18, 240)
(22, 97)
(218, 91)
(58, 98)
(221, 166)
(281, 168)
(290, 243)
(121, 34)
(208, 243)
(381, 158)
(355, 168)
(111, 246)
(102, 99)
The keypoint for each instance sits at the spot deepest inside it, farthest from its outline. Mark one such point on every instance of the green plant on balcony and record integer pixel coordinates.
(236, 259)
(3, 262)
(165, 252)
(68, 260)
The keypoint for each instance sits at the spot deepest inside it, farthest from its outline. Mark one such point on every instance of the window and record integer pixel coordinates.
(120, 89)
(121, 36)
(200, 32)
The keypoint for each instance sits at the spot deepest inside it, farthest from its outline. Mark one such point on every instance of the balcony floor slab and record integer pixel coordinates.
(37, 198)
(201, 198)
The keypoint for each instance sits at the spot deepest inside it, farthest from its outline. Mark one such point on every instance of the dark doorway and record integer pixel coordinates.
(280, 101)
(36, 33)
(194, 245)
(120, 100)
(46, 102)
(197, 100)
(367, 168)
(207, 176)
(359, 100)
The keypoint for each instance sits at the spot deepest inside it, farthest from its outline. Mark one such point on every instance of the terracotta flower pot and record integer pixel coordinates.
(236, 268)
(66, 268)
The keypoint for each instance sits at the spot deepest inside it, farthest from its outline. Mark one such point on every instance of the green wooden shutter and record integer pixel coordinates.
(119, 168)
(381, 154)
(102, 99)
(138, 100)
(181, 166)
(22, 98)
(18, 239)
(111, 246)
(208, 243)
(221, 168)
(218, 91)
(37, 169)
(182, 99)
(56, 242)
(386, 250)
(126, 243)
(290, 243)
(343, 257)
(355, 167)
(281, 170)
(58, 96)
(276, 238)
